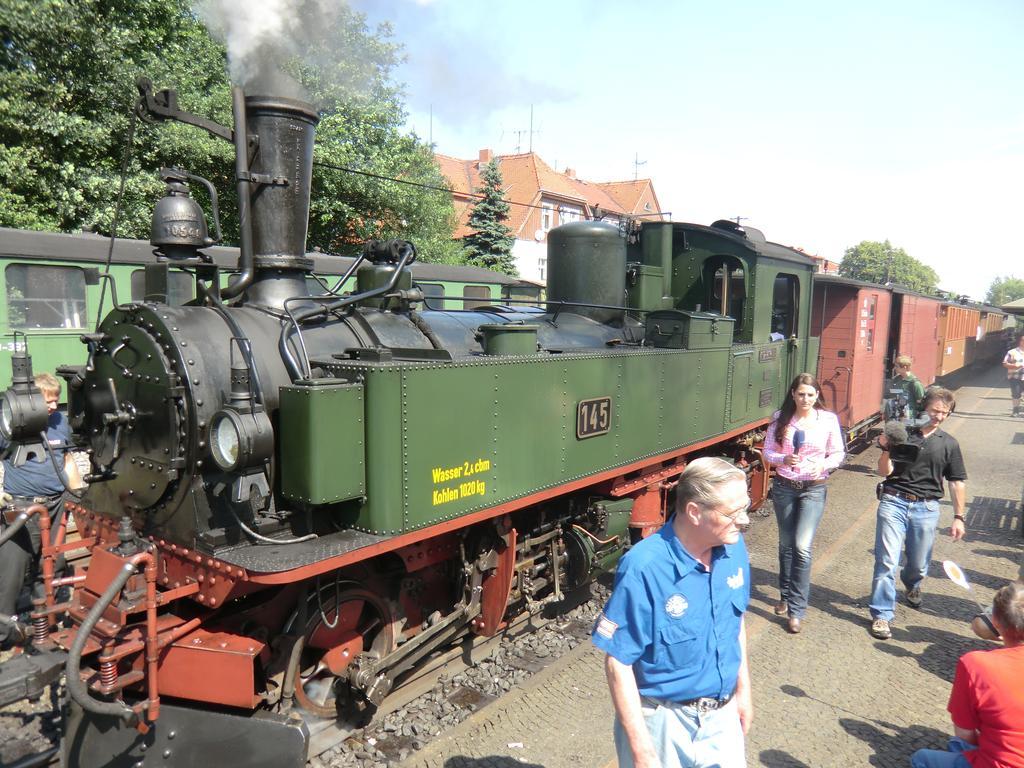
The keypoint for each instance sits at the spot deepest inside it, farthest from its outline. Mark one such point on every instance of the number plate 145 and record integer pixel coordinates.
(593, 417)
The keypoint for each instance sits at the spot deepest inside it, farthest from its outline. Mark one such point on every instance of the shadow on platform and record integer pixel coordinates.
(892, 744)
(491, 761)
(776, 758)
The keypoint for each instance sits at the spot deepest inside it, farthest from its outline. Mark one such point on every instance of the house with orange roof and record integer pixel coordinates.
(542, 198)
(823, 265)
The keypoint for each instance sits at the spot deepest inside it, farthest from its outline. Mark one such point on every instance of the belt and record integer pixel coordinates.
(36, 499)
(903, 494)
(701, 704)
(799, 485)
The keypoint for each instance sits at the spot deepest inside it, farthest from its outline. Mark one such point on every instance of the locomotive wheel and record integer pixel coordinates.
(362, 623)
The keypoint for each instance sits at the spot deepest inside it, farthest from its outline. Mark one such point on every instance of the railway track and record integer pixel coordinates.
(405, 720)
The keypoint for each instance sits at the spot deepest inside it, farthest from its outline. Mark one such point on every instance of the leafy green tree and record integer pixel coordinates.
(490, 245)
(67, 87)
(1004, 290)
(882, 263)
(67, 74)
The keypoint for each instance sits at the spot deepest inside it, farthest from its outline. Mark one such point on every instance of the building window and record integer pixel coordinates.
(542, 268)
(45, 297)
(547, 216)
(180, 288)
(433, 295)
(476, 296)
(567, 214)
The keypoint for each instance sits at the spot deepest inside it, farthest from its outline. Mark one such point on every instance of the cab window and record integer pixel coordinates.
(785, 304)
(726, 290)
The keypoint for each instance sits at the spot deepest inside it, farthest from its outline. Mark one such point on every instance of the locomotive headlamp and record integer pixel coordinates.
(23, 411)
(239, 439)
(22, 414)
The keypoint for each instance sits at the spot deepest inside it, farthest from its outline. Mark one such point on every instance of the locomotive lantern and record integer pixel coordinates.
(23, 411)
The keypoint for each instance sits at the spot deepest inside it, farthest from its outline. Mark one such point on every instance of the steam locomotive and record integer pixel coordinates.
(295, 499)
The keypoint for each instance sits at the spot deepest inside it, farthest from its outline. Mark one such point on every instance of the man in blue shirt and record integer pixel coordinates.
(673, 630)
(35, 481)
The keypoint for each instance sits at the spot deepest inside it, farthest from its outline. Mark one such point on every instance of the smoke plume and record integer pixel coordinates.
(262, 35)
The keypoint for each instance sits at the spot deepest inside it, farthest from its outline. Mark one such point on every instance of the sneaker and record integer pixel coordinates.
(880, 629)
(914, 597)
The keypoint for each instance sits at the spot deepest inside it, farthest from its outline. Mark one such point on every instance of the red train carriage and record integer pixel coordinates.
(852, 319)
(990, 346)
(958, 328)
(914, 331)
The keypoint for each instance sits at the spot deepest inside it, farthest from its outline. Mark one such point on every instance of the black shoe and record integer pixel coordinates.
(914, 597)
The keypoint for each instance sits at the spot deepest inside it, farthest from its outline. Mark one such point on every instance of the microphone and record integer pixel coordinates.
(895, 432)
(798, 440)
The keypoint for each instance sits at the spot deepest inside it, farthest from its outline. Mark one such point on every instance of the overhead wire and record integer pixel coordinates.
(449, 191)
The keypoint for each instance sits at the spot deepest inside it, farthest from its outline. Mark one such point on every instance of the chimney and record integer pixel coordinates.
(570, 172)
(486, 156)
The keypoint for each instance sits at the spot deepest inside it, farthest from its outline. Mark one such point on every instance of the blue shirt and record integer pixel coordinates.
(676, 623)
(37, 477)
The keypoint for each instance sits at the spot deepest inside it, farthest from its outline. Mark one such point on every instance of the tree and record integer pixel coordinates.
(67, 86)
(1004, 290)
(490, 245)
(67, 75)
(882, 263)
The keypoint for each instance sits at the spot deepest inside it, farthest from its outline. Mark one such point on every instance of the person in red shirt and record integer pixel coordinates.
(987, 702)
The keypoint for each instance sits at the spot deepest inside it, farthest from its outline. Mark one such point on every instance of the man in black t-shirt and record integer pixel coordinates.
(909, 509)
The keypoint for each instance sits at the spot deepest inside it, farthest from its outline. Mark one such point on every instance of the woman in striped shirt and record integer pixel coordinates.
(805, 445)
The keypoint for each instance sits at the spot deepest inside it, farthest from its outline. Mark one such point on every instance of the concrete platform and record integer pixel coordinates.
(833, 695)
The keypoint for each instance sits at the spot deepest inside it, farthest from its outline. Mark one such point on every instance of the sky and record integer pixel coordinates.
(821, 124)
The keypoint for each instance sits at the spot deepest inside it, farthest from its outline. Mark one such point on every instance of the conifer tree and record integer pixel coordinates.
(490, 245)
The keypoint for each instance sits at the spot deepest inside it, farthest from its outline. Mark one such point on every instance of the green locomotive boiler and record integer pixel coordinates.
(296, 499)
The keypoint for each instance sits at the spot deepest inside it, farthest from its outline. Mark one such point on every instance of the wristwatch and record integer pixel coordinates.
(961, 518)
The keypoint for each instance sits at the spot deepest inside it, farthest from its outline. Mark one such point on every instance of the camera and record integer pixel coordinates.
(908, 451)
(904, 440)
(895, 404)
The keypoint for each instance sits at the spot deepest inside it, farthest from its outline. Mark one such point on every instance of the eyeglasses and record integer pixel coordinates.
(731, 516)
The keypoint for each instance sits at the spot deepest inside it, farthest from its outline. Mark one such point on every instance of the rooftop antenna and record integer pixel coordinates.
(529, 133)
(738, 219)
(637, 162)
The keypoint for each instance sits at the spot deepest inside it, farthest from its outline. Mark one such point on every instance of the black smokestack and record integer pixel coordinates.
(282, 170)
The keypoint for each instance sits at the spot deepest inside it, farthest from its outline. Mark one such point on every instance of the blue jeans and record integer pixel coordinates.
(939, 758)
(899, 520)
(798, 513)
(686, 738)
